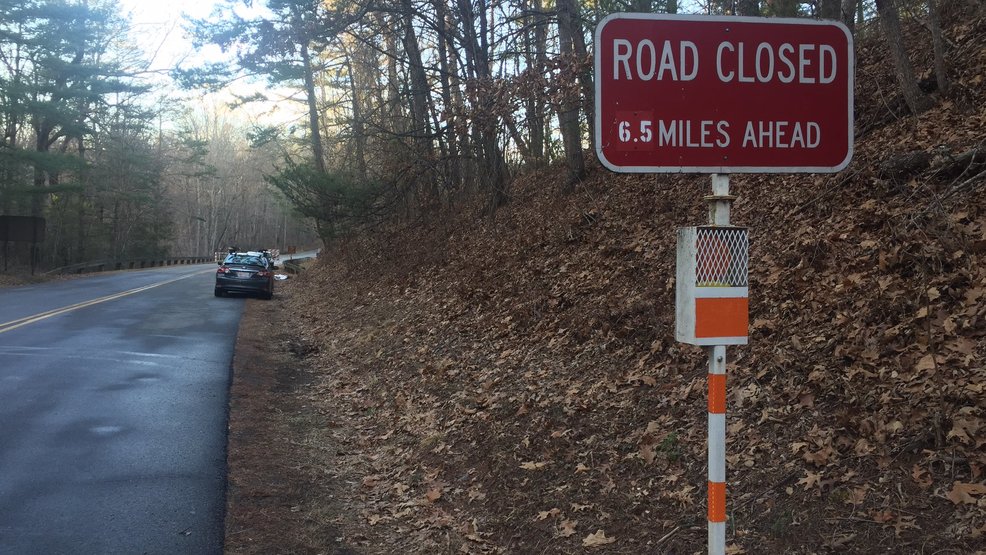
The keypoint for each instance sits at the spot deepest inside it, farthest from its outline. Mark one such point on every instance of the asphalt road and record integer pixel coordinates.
(113, 413)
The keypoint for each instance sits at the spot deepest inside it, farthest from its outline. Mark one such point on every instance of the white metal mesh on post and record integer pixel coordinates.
(723, 258)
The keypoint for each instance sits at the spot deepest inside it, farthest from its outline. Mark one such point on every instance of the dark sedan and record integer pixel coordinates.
(245, 273)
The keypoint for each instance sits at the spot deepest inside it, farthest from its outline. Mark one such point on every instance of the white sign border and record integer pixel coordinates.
(722, 169)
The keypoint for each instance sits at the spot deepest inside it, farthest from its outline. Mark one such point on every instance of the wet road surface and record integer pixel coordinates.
(113, 400)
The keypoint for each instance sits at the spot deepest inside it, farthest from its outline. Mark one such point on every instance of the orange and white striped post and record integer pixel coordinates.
(717, 450)
(712, 311)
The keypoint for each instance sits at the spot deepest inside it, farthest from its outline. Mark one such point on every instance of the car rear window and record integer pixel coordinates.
(244, 259)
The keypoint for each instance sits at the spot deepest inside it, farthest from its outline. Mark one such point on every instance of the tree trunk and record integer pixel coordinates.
(568, 111)
(848, 15)
(493, 170)
(585, 73)
(916, 100)
(452, 162)
(522, 147)
(80, 247)
(37, 197)
(830, 9)
(941, 72)
(358, 125)
(540, 105)
(318, 153)
(534, 47)
(420, 106)
(750, 8)
(452, 96)
(785, 8)
(393, 93)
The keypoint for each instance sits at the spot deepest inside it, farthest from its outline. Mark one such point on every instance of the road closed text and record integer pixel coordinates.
(702, 94)
(735, 62)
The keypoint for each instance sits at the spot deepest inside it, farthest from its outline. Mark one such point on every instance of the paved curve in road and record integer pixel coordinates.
(113, 413)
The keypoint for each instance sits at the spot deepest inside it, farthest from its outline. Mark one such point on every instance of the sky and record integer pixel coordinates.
(158, 28)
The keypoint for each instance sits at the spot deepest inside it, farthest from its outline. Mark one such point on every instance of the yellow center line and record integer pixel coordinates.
(14, 324)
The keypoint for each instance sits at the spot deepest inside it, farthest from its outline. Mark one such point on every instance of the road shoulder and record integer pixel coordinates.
(279, 483)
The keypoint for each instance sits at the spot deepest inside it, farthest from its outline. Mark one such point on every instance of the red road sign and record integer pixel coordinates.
(723, 94)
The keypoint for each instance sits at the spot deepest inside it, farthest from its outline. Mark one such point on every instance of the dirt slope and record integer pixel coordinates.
(513, 385)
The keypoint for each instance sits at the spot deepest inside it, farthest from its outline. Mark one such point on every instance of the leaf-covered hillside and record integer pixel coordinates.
(512, 384)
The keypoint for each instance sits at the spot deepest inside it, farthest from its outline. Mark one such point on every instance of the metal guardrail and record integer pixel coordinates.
(294, 266)
(136, 264)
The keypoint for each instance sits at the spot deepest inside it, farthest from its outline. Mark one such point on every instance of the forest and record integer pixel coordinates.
(407, 109)
(418, 107)
(116, 167)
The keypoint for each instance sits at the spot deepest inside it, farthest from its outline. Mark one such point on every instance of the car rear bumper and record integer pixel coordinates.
(246, 285)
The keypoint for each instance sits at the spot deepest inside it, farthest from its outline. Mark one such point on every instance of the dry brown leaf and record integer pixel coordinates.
(811, 479)
(963, 493)
(597, 539)
(857, 495)
(475, 494)
(965, 428)
(920, 476)
(962, 345)
(841, 541)
(531, 465)
(927, 362)
(820, 457)
(882, 517)
(434, 494)
(905, 523)
(567, 528)
(977, 533)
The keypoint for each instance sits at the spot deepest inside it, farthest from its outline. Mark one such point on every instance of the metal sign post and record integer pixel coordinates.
(712, 311)
(717, 450)
(719, 208)
(720, 95)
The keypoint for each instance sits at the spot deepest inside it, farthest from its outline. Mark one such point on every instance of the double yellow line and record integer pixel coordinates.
(14, 324)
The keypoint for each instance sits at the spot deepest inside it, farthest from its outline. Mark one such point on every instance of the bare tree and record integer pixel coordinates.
(848, 15)
(568, 112)
(938, 42)
(784, 8)
(916, 100)
(748, 7)
(830, 9)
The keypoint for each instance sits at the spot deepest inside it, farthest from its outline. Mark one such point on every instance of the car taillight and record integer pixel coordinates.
(263, 274)
(222, 270)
